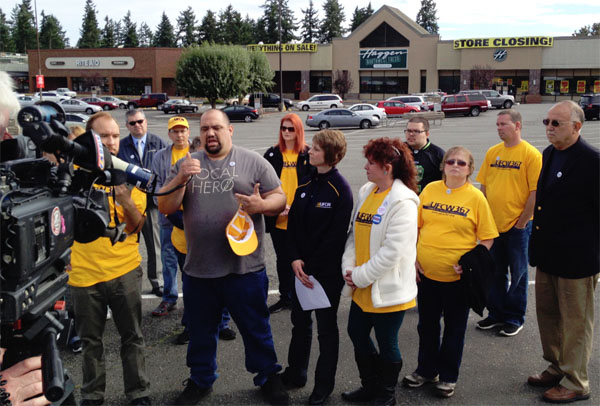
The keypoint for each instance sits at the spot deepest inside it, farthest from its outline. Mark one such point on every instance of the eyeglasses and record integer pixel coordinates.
(290, 129)
(458, 162)
(132, 123)
(409, 131)
(555, 123)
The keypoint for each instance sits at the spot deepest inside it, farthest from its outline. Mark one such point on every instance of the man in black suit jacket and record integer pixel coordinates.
(138, 148)
(564, 247)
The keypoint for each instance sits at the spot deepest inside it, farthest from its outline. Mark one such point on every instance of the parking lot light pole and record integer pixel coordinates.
(280, 69)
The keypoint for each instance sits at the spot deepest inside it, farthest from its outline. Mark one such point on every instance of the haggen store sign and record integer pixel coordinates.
(383, 58)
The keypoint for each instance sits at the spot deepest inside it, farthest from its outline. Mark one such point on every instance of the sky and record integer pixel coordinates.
(456, 18)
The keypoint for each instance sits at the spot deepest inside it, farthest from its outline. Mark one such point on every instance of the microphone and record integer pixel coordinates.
(139, 177)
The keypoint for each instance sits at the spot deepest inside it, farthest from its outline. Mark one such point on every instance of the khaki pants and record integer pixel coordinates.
(565, 313)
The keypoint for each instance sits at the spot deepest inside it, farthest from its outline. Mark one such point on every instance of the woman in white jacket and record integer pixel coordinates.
(379, 267)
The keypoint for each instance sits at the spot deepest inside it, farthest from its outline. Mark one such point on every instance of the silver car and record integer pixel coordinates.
(368, 110)
(78, 106)
(340, 118)
(25, 101)
(76, 119)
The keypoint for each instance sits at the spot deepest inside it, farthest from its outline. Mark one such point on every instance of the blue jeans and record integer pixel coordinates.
(506, 303)
(169, 265)
(386, 326)
(437, 299)
(245, 296)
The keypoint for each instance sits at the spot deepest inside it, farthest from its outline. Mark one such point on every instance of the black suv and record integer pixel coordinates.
(270, 100)
(590, 103)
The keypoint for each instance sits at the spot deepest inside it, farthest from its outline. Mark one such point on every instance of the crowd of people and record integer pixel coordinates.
(410, 239)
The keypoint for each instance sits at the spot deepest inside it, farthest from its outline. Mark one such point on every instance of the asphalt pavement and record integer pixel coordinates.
(494, 368)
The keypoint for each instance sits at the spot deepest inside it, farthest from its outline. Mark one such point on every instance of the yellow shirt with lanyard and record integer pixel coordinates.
(289, 183)
(178, 235)
(366, 215)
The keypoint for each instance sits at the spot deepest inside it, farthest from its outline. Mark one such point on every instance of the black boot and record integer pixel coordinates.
(367, 369)
(388, 378)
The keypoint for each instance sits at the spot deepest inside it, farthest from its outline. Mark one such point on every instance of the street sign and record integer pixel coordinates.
(39, 81)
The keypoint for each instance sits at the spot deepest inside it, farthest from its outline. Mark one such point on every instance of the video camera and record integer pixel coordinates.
(44, 208)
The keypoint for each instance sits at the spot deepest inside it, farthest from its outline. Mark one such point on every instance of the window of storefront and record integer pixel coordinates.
(569, 82)
(320, 82)
(133, 86)
(449, 81)
(384, 36)
(92, 83)
(389, 84)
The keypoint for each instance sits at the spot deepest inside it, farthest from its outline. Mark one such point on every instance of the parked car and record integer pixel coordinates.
(394, 108)
(498, 100)
(270, 100)
(79, 106)
(467, 104)
(368, 110)
(179, 106)
(148, 100)
(236, 100)
(75, 119)
(96, 101)
(119, 102)
(241, 113)
(590, 103)
(50, 96)
(340, 118)
(25, 101)
(321, 101)
(65, 91)
(417, 101)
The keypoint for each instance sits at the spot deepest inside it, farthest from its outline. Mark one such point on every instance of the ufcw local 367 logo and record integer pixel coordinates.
(500, 55)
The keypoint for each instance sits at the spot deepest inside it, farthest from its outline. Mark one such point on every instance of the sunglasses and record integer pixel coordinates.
(554, 123)
(458, 162)
(132, 123)
(407, 131)
(290, 129)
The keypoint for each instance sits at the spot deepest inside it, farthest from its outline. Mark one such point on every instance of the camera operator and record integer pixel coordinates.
(109, 276)
(24, 379)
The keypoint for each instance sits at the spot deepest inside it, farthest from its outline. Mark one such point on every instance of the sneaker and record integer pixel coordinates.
(488, 323)
(227, 334)
(183, 338)
(279, 306)
(445, 389)
(163, 309)
(415, 380)
(157, 291)
(143, 401)
(274, 392)
(510, 330)
(75, 344)
(192, 394)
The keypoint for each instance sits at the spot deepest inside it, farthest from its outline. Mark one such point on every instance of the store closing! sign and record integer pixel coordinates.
(508, 42)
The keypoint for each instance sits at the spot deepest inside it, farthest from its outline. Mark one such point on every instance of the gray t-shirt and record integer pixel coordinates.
(209, 204)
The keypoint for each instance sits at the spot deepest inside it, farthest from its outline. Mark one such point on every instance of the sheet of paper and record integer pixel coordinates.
(311, 299)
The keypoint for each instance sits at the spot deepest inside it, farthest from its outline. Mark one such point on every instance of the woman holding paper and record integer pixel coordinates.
(379, 267)
(317, 228)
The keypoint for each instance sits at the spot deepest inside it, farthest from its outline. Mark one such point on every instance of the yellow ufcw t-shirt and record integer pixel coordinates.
(451, 222)
(366, 216)
(289, 183)
(509, 175)
(99, 260)
(177, 154)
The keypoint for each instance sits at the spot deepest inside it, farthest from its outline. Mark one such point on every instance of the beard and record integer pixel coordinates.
(213, 149)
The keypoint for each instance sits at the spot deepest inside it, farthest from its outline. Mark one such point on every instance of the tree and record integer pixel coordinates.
(109, 34)
(586, 30)
(482, 77)
(145, 35)
(426, 17)
(23, 30)
(6, 42)
(129, 35)
(164, 36)
(342, 82)
(186, 28)
(89, 31)
(213, 71)
(360, 16)
(331, 25)
(209, 30)
(260, 75)
(310, 24)
(52, 36)
(269, 22)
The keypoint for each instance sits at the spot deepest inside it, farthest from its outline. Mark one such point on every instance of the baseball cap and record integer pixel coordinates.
(240, 233)
(175, 121)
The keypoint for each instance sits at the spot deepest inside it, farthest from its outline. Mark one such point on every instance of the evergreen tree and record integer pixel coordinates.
(89, 31)
(186, 27)
(209, 30)
(108, 36)
(331, 25)
(586, 30)
(227, 25)
(145, 35)
(118, 33)
(310, 24)
(23, 30)
(360, 16)
(52, 36)
(426, 17)
(246, 32)
(164, 37)
(269, 27)
(6, 42)
(129, 33)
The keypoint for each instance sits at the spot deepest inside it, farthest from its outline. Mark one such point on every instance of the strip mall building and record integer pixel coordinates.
(388, 54)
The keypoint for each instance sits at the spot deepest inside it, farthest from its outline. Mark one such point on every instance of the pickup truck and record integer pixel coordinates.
(148, 100)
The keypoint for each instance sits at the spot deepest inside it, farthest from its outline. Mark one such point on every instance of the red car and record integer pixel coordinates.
(96, 101)
(394, 108)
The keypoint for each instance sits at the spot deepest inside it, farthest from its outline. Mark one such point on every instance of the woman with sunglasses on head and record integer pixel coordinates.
(453, 217)
(378, 267)
(289, 157)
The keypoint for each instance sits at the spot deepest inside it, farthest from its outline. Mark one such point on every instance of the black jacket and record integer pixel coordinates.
(318, 225)
(478, 267)
(303, 169)
(128, 152)
(565, 237)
